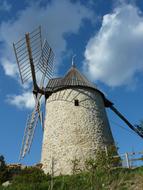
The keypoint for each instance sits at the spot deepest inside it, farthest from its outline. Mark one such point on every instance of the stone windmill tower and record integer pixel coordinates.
(76, 124)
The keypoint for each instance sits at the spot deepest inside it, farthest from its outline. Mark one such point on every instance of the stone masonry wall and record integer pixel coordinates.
(73, 132)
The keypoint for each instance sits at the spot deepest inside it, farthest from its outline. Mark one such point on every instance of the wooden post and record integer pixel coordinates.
(27, 36)
(106, 151)
(127, 160)
(52, 175)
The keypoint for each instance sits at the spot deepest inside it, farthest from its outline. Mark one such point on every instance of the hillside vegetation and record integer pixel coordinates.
(100, 174)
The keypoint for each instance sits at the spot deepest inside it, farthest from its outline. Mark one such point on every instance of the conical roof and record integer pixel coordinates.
(72, 79)
(74, 75)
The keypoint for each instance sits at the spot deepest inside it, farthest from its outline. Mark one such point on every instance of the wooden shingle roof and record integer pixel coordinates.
(72, 78)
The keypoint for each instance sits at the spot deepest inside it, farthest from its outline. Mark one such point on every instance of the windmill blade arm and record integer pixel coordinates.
(45, 63)
(40, 113)
(41, 119)
(29, 133)
(31, 60)
(27, 52)
(126, 121)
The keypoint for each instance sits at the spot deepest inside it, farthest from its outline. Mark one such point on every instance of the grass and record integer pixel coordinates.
(100, 174)
(117, 179)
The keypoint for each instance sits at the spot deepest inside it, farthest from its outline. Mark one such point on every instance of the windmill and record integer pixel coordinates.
(32, 56)
(75, 121)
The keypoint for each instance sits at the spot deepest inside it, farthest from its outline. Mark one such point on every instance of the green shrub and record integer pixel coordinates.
(100, 174)
(2, 163)
(30, 175)
(4, 173)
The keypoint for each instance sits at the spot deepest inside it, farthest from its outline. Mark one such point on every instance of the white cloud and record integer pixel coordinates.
(10, 68)
(114, 55)
(5, 6)
(57, 19)
(25, 100)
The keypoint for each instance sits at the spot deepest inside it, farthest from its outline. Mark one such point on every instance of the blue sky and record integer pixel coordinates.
(106, 36)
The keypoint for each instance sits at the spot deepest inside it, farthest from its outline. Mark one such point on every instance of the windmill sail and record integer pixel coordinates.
(27, 49)
(45, 65)
(29, 133)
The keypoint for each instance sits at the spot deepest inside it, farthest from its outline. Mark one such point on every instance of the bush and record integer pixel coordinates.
(2, 163)
(99, 175)
(4, 174)
(30, 175)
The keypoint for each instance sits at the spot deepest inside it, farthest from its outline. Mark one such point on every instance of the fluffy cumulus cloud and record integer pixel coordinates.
(57, 18)
(114, 55)
(25, 100)
(10, 69)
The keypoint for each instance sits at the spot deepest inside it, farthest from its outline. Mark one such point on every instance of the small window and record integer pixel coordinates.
(76, 102)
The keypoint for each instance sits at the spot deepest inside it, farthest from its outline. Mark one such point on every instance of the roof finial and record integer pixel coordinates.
(73, 63)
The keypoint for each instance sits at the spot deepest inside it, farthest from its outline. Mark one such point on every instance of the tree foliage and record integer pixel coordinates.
(4, 174)
(2, 163)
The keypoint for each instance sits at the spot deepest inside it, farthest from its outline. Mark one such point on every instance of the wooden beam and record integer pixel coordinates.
(27, 36)
(125, 120)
